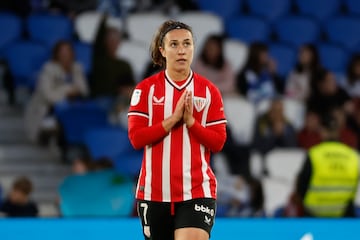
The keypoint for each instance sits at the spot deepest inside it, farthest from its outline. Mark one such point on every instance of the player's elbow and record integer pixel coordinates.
(219, 144)
(135, 141)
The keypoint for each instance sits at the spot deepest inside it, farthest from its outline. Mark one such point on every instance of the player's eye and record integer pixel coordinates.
(173, 44)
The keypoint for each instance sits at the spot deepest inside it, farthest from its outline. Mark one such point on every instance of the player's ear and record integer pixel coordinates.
(162, 51)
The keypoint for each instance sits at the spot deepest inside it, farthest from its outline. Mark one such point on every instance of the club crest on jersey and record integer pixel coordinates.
(199, 103)
(158, 101)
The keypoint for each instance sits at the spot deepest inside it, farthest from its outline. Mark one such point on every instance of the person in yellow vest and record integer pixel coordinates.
(328, 181)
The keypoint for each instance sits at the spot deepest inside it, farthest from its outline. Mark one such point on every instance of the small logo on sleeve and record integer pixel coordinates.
(135, 98)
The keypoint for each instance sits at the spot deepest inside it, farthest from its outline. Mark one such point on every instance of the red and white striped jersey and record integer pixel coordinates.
(176, 167)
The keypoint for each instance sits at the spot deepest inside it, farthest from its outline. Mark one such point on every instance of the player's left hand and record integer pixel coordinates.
(188, 118)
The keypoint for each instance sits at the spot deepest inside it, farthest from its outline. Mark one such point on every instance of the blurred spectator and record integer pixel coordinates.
(213, 65)
(346, 135)
(273, 130)
(327, 183)
(81, 165)
(111, 76)
(240, 197)
(8, 82)
(237, 155)
(353, 77)
(298, 83)
(328, 95)
(259, 80)
(18, 203)
(61, 78)
(310, 134)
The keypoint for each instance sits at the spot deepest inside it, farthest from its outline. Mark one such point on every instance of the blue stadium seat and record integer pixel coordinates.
(352, 6)
(108, 142)
(248, 29)
(344, 30)
(76, 118)
(319, 9)
(225, 8)
(296, 30)
(333, 57)
(269, 9)
(129, 163)
(11, 29)
(285, 57)
(83, 53)
(25, 59)
(49, 29)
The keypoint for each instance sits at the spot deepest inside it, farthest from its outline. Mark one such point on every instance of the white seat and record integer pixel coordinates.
(284, 164)
(203, 24)
(295, 112)
(136, 54)
(86, 25)
(142, 27)
(276, 194)
(240, 114)
(236, 52)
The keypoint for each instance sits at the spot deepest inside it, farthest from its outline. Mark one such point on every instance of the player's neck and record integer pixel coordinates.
(178, 75)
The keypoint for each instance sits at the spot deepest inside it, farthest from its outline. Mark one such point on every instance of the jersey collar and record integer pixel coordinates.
(175, 85)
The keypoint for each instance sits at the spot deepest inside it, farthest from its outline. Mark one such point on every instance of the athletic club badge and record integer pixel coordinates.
(199, 103)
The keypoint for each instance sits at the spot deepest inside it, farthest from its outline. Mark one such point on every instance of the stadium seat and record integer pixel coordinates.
(108, 142)
(319, 9)
(333, 57)
(276, 194)
(269, 9)
(240, 114)
(248, 29)
(49, 29)
(236, 52)
(225, 9)
(296, 30)
(76, 118)
(11, 30)
(294, 112)
(141, 32)
(284, 164)
(25, 59)
(352, 6)
(202, 24)
(136, 54)
(86, 25)
(129, 164)
(343, 30)
(83, 54)
(285, 57)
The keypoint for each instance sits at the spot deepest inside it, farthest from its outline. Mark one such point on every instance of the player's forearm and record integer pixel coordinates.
(213, 137)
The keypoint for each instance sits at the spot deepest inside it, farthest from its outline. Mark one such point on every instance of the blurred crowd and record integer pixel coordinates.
(322, 93)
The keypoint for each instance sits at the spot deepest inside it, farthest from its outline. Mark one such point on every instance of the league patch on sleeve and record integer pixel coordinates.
(135, 98)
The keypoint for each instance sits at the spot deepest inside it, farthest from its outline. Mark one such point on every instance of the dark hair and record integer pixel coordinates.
(219, 40)
(315, 61)
(23, 184)
(158, 40)
(253, 61)
(58, 46)
(350, 74)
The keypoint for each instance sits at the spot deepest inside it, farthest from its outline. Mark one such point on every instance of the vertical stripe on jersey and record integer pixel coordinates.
(168, 105)
(205, 164)
(148, 150)
(187, 184)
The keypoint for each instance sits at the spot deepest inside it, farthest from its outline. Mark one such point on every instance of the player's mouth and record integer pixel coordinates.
(181, 60)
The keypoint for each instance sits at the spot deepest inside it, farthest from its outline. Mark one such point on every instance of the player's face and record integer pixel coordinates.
(178, 49)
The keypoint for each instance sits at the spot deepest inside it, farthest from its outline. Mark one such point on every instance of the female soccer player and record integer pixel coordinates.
(177, 116)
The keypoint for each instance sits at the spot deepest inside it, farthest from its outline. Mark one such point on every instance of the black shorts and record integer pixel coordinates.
(160, 219)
